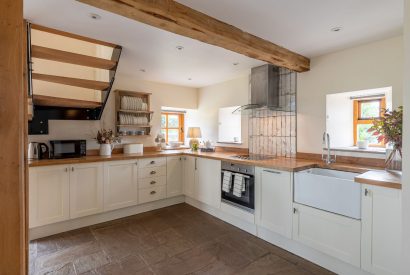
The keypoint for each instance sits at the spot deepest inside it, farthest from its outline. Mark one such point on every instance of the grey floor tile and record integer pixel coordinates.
(179, 239)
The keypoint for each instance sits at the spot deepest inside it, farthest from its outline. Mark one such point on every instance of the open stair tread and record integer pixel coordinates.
(77, 82)
(51, 101)
(72, 58)
(72, 35)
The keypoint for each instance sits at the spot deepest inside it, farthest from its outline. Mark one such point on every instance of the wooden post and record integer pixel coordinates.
(13, 136)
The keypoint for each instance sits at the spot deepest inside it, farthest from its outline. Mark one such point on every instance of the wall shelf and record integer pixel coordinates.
(139, 112)
(134, 125)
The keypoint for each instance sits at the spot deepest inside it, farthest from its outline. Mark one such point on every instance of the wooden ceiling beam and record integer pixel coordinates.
(174, 17)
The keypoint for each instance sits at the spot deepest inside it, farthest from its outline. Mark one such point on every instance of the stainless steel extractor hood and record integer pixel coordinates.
(265, 92)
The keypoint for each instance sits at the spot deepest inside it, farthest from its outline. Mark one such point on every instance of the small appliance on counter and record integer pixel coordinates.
(208, 147)
(68, 148)
(38, 150)
(133, 148)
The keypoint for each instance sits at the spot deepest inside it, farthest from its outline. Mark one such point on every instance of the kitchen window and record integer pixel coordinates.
(172, 126)
(364, 112)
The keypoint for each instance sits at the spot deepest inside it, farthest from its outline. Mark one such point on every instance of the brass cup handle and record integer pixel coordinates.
(152, 162)
(153, 192)
(153, 182)
(153, 172)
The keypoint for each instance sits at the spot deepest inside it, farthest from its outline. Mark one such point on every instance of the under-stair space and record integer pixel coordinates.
(70, 76)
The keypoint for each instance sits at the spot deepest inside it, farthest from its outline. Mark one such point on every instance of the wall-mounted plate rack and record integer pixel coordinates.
(133, 113)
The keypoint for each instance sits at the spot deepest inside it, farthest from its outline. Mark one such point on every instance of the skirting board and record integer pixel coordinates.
(55, 228)
(312, 255)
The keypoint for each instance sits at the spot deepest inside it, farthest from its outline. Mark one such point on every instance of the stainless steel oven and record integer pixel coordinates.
(238, 185)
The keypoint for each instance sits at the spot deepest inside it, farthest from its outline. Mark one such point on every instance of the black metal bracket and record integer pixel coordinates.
(41, 116)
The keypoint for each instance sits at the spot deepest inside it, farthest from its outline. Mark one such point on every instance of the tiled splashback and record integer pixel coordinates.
(274, 132)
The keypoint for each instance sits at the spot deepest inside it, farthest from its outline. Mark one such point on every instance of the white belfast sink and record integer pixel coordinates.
(329, 190)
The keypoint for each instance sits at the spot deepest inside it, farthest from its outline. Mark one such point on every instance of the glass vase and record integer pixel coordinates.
(393, 159)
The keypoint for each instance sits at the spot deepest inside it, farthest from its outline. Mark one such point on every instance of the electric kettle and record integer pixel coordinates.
(38, 150)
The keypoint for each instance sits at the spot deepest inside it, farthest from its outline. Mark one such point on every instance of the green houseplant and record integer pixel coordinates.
(388, 129)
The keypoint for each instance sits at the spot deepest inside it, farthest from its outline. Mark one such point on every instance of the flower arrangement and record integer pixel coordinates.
(388, 129)
(107, 137)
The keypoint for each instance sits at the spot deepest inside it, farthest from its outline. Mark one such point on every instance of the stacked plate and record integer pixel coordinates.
(133, 103)
(132, 119)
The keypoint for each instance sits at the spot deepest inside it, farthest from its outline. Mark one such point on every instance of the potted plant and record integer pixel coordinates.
(107, 141)
(388, 129)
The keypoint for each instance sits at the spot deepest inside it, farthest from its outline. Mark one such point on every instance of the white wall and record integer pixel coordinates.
(162, 95)
(369, 66)
(339, 114)
(406, 144)
(339, 118)
(226, 94)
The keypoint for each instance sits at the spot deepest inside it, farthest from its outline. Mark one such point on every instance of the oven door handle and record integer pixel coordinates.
(272, 172)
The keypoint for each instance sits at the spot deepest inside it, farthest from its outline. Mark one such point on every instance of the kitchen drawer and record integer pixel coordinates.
(152, 194)
(151, 172)
(152, 182)
(152, 162)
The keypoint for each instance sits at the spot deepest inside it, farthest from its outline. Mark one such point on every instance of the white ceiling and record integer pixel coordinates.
(304, 26)
(299, 25)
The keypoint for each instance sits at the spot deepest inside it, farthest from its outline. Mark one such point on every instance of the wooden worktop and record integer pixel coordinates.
(372, 175)
(390, 179)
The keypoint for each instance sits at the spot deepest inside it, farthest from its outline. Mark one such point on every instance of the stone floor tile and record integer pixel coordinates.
(66, 255)
(91, 262)
(61, 269)
(268, 264)
(179, 239)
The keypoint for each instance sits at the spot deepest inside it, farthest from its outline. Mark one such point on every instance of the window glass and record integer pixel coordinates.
(173, 121)
(369, 109)
(172, 126)
(362, 133)
(163, 121)
(173, 135)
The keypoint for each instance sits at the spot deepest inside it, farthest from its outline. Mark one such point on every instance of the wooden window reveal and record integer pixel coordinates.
(364, 112)
(172, 126)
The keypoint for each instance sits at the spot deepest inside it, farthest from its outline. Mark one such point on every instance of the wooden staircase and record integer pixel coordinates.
(58, 108)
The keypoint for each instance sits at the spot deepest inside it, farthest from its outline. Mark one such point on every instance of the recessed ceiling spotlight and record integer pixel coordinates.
(142, 70)
(95, 16)
(336, 29)
(189, 79)
(235, 64)
(180, 48)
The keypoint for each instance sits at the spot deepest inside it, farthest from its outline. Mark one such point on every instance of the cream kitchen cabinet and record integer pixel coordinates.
(49, 193)
(273, 197)
(152, 180)
(120, 184)
(174, 176)
(381, 230)
(208, 181)
(202, 180)
(189, 176)
(332, 234)
(86, 189)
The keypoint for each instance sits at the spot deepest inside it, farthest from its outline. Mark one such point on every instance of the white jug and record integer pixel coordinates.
(106, 149)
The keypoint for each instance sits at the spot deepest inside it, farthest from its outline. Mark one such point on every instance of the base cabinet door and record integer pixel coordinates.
(174, 176)
(189, 175)
(381, 230)
(208, 184)
(332, 234)
(49, 195)
(120, 184)
(273, 209)
(86, 189)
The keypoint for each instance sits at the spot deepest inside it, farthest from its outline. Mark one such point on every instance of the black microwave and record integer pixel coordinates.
(68, 148)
